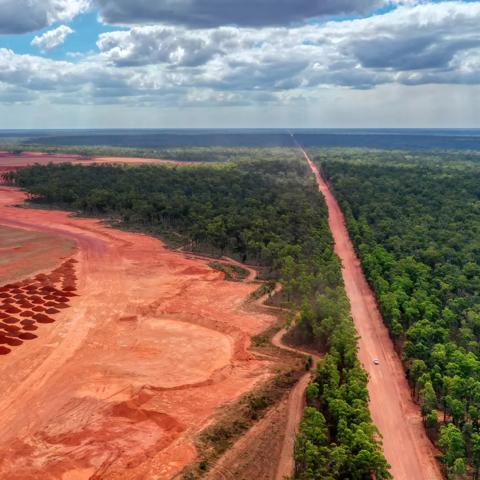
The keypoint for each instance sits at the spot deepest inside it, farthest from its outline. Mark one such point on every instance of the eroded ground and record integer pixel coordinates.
(142, 349)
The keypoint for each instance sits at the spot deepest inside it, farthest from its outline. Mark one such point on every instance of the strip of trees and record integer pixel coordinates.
(415, 222)
(269, 213)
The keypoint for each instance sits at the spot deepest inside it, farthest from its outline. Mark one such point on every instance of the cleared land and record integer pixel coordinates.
(141, 355)
(24, 252)
(10, 162)
(406, 445)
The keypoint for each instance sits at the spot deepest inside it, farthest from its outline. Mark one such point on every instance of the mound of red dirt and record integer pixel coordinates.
(31, 300)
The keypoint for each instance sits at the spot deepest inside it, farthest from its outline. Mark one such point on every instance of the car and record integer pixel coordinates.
(376, 361)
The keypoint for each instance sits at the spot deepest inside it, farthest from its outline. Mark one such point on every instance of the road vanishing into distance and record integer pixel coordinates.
(407, 448)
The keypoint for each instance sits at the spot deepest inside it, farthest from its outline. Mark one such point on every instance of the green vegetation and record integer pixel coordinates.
(236, 419)
(233, 273)
(265, 213)
(191, 154)
(337, 439)
(266, 288)
(268, 213)
(415, 221)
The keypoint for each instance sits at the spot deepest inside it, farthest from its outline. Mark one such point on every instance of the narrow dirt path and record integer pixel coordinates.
(296, 405)
(406, 445)
(296, 398)
(120, 384)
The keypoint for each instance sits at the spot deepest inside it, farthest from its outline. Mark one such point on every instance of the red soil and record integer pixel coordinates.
(13, 335)
(120, 399)
(9, 162)
(24, 253)
(406, 445)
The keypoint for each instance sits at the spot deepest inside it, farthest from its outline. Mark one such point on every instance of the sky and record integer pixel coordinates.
(239, 63)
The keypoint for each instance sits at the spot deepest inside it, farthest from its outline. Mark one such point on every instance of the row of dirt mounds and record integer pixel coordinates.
(27, 305)
(151, 329)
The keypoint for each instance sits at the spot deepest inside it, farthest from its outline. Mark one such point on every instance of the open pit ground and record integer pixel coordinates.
(116, 351)
(10, 162)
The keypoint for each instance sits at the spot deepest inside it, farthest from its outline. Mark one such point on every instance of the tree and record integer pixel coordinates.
(452, 444)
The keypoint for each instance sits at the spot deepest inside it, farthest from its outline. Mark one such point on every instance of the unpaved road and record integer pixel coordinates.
(406, 445)
(118, 386)
(296, 406)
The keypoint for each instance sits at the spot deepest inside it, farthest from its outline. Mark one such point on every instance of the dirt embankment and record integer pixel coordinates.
(119, 384)
(406, 445)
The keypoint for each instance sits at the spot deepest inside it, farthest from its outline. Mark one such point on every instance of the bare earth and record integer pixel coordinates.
(10, 162)
(406, 445)
(23, 253)
(296, 407)
(131, 367)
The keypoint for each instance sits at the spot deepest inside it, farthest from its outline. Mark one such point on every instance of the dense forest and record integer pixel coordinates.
(391, 139)
(209, 154)
(415, 222)
(267, 213)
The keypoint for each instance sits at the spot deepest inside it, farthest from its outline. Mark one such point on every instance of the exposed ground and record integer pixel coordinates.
(10, 162)
(295, 409)
(406, 445)
(132, 363)
(23, 253)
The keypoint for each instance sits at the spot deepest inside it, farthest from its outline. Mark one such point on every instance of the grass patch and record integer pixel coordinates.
(233, 273)
(237, 419)
(264, 289)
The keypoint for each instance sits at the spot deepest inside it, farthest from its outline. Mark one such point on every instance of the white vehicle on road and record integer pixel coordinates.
(376, 361)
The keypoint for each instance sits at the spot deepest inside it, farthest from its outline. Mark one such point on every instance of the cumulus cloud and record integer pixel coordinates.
(163, 44)
(358, 53)
(425, 36)
(53, 38)
(21, 16)
(211, 13)
(176, 65)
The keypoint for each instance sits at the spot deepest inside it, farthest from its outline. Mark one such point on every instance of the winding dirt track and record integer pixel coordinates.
(296, 406)
(406, 445)
(120, 384)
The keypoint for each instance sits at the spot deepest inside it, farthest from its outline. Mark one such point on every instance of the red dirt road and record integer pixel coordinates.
(120, 383)
(406, 445)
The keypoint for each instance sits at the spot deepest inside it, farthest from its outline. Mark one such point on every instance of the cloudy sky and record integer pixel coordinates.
(239, 63)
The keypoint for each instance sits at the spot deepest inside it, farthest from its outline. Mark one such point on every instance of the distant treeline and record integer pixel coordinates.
(190, 154)
(416, 225)
(415, 140)
(268, 213)
(170, 140)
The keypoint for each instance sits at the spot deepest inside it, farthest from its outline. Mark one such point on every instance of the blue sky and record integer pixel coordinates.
(255, 63)
(86, 28)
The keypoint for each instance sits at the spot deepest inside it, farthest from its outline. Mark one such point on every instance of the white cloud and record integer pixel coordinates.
(175, 65)
(53, 38)
(21, 16)
(435, 41)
